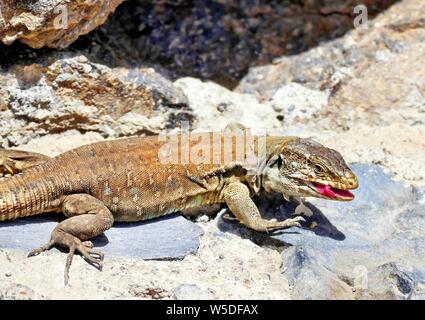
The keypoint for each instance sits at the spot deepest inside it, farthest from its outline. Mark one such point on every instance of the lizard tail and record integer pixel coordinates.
(24, 195)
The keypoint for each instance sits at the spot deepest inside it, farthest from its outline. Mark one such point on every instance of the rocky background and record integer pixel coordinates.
(290, 67)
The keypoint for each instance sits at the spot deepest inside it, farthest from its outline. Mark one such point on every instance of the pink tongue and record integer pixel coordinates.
(332, 193)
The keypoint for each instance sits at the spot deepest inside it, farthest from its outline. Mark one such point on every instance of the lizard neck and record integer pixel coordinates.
(266, 149)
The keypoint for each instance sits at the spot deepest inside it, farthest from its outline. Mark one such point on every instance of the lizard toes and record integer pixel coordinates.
(32, 253)
(100, 265)
(41, 249)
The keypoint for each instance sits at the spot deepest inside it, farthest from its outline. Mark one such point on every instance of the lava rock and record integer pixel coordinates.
(64, 91)
(52, 23)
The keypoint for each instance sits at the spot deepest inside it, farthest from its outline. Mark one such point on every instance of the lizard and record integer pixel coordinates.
(126, 180)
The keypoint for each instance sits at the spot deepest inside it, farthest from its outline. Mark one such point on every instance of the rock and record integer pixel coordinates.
(63, 92)
(212, 101)
(220, 40)
(191, 292)
(55, 144)
(388, 282)
(167, 238)
(309, 280)
(341, 63)
(297, 102)
(358, 72)
(395, 146)
(52, 23)
(372, 245)
(374, 113)
(17, 291)
(217, 40)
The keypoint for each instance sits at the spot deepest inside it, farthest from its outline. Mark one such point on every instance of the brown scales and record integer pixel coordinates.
(127, 180)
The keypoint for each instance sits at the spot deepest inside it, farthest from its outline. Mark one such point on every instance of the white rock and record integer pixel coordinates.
(217, 106)
(296, 101)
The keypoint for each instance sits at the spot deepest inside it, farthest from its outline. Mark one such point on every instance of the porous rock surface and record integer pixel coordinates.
(51, 23)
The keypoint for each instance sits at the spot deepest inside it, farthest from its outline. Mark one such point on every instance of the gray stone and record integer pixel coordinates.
(309, 279)
(388, 281)
(167, 238)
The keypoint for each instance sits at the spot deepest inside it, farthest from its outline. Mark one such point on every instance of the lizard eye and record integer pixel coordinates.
(318, 169)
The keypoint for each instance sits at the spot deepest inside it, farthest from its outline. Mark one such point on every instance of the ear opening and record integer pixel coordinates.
(274, 161)
(279, 161)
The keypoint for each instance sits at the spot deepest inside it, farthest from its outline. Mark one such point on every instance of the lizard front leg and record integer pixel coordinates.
(236, 196)
(16, 161)
(88, 217)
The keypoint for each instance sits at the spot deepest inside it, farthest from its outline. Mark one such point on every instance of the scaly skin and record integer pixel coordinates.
(124, 180)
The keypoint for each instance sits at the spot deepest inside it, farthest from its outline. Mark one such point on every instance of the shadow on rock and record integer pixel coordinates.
(281, 210)
(317, 222)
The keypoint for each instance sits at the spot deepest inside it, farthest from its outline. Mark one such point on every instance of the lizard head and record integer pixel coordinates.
(305, 168)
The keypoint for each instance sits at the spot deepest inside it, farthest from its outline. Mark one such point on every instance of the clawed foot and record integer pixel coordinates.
(273, 224)
(93, 257)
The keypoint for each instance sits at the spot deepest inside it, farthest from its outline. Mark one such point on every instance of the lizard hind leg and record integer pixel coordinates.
(88, 218)
(16, 161)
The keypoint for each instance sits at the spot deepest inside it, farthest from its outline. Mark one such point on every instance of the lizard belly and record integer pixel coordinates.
(128, 210)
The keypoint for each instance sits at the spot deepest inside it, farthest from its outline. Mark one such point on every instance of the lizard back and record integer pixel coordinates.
(128, 175)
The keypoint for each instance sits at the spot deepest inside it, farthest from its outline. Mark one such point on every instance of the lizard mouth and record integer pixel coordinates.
(333, 193)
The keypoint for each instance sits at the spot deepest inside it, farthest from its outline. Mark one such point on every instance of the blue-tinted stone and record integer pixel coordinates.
(167, 238)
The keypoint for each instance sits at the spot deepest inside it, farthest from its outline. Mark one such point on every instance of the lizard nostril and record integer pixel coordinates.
(353, 183)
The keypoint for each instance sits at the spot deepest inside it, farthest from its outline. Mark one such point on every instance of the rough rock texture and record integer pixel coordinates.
(210, 39)
(371, 76)
(370, 248)
(210, 101)
(218, 269)
(52, 23)
(69, 92)
(368, 87)
(374, 244)
(220, 40)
